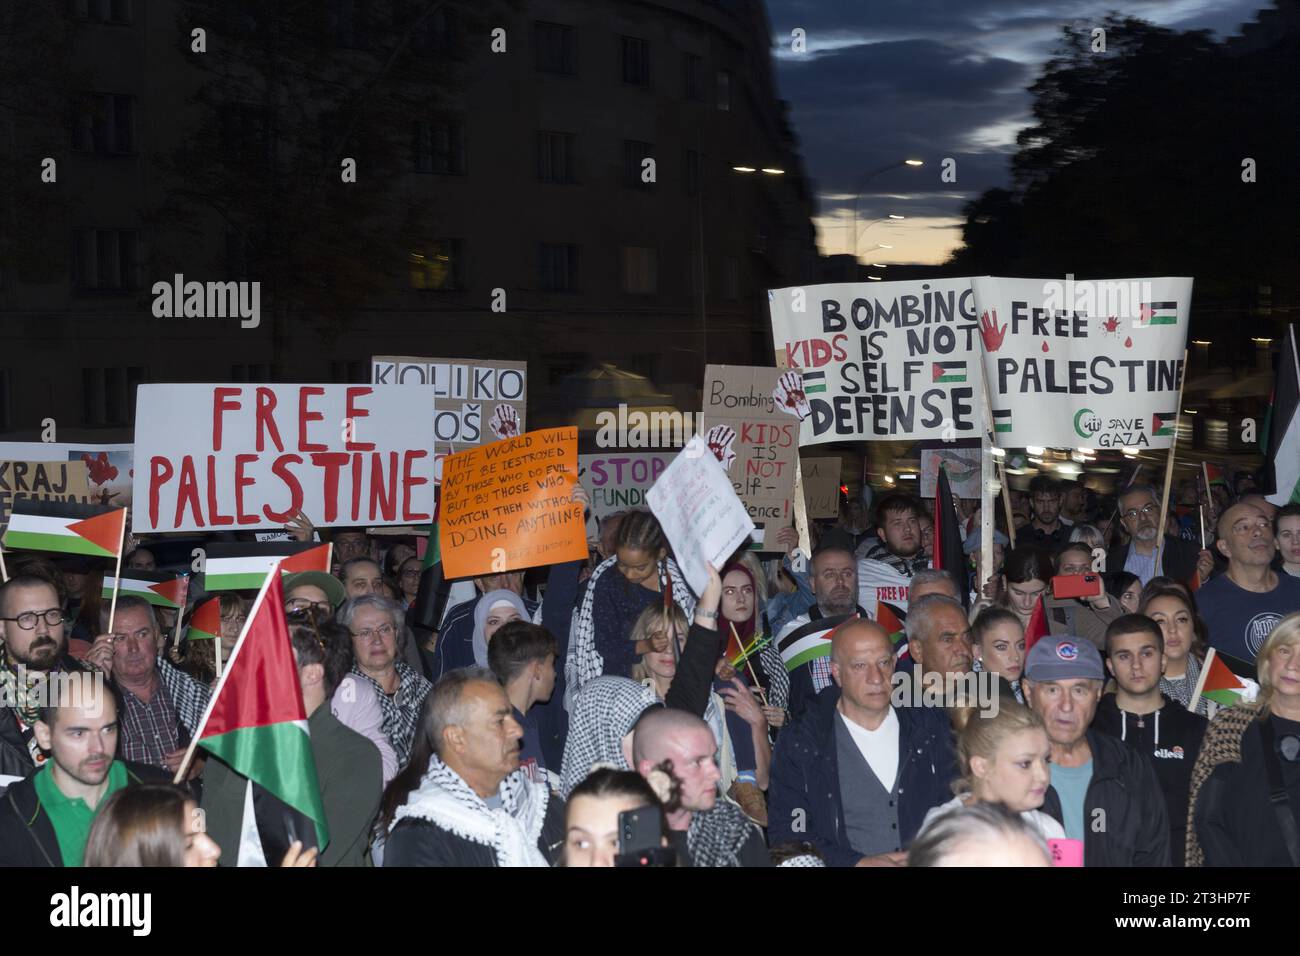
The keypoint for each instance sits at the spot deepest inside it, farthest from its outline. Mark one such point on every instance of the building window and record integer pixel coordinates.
(555, 158)
(103, 123)
(692, 172)
(347, 24)
(694, 77)
(554, 48)
(106, 259)
(440, 147)
(724, 90)
(103, 11)
(558, 267)
(108, 394)
(636, 61)
(635, 153)
(730, 277)
(640, 270)
(440, 266)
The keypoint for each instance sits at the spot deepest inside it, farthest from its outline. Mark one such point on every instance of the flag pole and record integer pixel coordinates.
(180, 614)
(117, 574)
(1169, 466)
(221, 680)
(1002, 474)
(754, 677)
(4, 571)
(800, 510)
(1200, 681)
(1201, 509)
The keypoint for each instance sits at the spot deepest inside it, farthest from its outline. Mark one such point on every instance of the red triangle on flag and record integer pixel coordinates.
(207, 617)
(103, 531)
(936, 371)
(260, 685)
(734, 646)
(1037, 626)
(313, 559)
(173, 590)
(1156, 423)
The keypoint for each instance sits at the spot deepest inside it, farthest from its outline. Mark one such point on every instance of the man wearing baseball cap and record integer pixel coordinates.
(316, 590)
(1102, 792)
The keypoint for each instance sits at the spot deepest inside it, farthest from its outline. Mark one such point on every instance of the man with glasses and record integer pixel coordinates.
(378, 628)
(162, 706)
(1047, 529)
(33, 645)
(313, 592)
(1139, 513)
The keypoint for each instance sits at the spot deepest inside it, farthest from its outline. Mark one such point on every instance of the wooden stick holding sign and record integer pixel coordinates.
(4, 571)
(1169, 467)
(801, 511)
(117, 577)
(986, 568)
(1001, 469)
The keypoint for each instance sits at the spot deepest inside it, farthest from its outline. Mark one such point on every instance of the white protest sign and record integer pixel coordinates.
(619, 480)
(1084, 364)
(699, 511)
(213, 457)
(882, 360)
(108, 467)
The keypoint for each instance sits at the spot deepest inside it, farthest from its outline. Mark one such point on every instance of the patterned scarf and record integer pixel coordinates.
(604, 712)
(402, 710)
(511, 830)
(716, 836)
(904, 566)
(583, 662)
(23, 695)
(1181, 691)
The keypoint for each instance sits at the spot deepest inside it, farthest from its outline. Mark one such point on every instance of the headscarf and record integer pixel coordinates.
(481, 611)
(604, 712)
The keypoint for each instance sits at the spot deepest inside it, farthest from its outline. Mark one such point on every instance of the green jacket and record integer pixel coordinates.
(351, 784)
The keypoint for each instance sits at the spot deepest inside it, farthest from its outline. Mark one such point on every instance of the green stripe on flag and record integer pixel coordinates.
(951, 378)
(238, 581)
(62, 543)
(811, 654)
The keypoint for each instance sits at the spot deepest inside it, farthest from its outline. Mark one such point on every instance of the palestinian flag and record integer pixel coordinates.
(811, 641)
(1156, 313)
(205, 622)
(1163, 423)
(239, 567)
(66, 527)
(814, 382)
(948, 371)
(1214, 475)
(256, 722)
(157, 587)
(737, 655)
(948, 555)
(435, 587)
(1037, 626)
(1001, 420)
(1282, 439)
(1217, 682)
(891, 619)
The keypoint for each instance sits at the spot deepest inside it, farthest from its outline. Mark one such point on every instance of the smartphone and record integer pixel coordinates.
(640, 831)
(1077, 586)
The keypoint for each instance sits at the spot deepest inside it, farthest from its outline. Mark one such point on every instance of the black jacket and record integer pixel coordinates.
(1124, 814)
(1178, 557)
(804, 800)
(26, 834)
(1236, 824)
(15, 758)
(802, 689)
(1171, 738)
(416, 841)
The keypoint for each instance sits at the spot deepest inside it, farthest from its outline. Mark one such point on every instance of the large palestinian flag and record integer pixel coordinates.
(66, 527)
(159, 588)
(239, 567)
(1282, 439)
(810, 642)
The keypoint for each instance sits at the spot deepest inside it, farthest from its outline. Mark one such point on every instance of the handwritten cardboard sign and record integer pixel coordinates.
(821, 486)
(42, 481)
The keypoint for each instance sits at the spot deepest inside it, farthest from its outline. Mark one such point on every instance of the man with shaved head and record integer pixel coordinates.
(705, 829)
(1242, 606)
(856, 775)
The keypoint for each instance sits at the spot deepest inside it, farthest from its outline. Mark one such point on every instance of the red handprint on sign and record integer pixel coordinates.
(720, 439)
(990, 332)
(504, 422)
(789, 396)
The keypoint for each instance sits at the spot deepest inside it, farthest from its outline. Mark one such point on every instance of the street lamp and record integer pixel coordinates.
(863, 185)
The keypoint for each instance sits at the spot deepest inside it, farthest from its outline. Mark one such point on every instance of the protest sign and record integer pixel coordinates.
(509, 505)
(108, 467)
(821, 486)
(751, 424)
(42, 481)
(697, 506)
(475, 401)
(252, 456)
(882, 360)
(1083, 364)
(618, 480)
(962, 464)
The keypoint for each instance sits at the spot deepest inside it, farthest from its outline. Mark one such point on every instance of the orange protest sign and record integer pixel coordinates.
(507, 505)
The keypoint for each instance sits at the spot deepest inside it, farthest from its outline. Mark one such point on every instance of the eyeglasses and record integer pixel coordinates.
(302, 605)
(27, 620)
(1146, 511)
(384, 630)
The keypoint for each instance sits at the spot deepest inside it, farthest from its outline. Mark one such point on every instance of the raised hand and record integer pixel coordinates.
(504, 422)
(299, 527)
(720, 439)
(789, 395)
(990, 332)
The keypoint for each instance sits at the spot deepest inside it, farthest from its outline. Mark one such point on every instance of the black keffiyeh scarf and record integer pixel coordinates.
(604, 712)
(904, 566)
(402, 710)
(716, 836)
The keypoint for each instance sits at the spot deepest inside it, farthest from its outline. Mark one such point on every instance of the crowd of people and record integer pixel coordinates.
(596, 713)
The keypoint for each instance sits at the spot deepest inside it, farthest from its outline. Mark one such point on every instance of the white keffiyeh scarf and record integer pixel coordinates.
(511, 830)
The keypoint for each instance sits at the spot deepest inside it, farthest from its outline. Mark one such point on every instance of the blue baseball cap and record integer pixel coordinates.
(1063, 657)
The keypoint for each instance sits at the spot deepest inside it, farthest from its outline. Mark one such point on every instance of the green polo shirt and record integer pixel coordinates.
(70, 816)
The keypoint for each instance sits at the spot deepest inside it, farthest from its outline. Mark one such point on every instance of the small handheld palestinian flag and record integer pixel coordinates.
(811, 641)
(738, 656)
(157, 587)
(1037, 627)
(205, 622)
(66, 527)
(887, 616)
(1217, 682)
(239, 567)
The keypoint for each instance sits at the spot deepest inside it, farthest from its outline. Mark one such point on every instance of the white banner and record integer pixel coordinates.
(228, 457)
(1084, 364)
(882, 360)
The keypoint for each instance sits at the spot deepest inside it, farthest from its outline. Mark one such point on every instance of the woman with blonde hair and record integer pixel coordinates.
(1003, 759)
(1246, 782)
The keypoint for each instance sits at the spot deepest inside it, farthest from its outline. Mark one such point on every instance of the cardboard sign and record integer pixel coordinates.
(962, 465)
(1084, 364)
(751, 424)
(475, 401)
(508, 505)
(882, 360)
(821, 486)
(697, 506)
(42, 481)
(108, 467)
(213, 457)
(619, 480)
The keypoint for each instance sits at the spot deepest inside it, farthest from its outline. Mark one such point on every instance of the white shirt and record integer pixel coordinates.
(879, 747)
(1046, 825)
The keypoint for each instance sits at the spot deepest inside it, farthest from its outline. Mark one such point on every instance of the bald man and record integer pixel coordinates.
(856, 775)
(1241, 606)
(706, 829)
